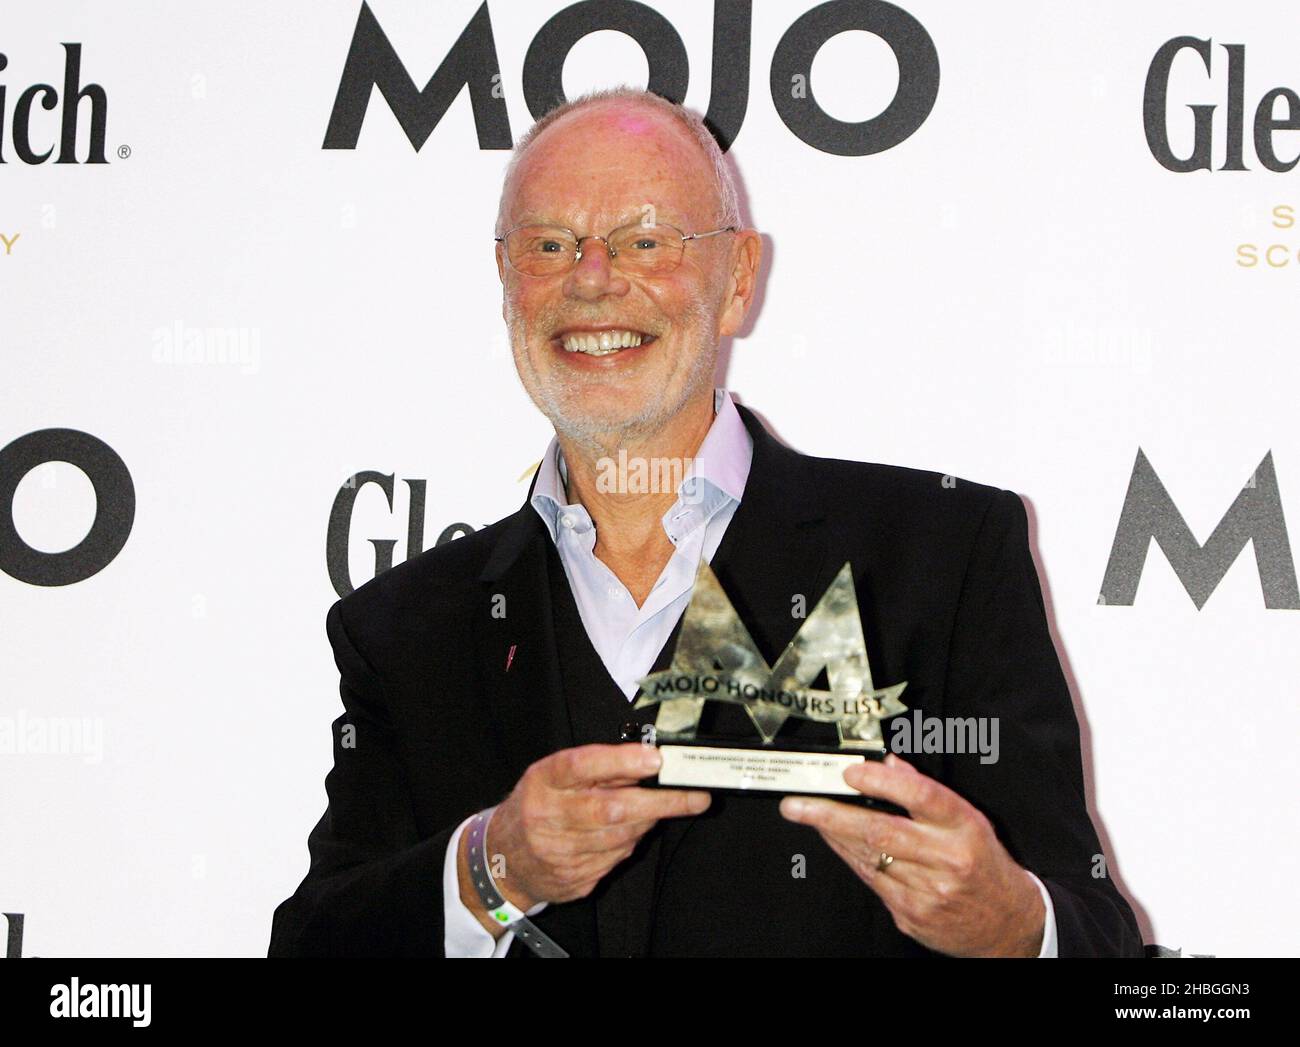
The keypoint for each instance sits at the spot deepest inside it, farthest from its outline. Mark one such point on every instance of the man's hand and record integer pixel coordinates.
(952, 885)
(572, 817)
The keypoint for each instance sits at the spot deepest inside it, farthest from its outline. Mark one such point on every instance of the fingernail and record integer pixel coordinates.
(651, 759)
(793, 808)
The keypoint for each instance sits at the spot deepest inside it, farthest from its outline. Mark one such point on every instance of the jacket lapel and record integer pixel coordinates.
(516, 652)
(775, 546)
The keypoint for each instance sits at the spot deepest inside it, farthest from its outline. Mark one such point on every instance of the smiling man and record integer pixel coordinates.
(483, 801)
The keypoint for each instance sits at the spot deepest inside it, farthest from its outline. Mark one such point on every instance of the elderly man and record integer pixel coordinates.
(483, 799)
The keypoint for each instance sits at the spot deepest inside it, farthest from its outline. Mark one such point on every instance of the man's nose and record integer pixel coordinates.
(593, 275)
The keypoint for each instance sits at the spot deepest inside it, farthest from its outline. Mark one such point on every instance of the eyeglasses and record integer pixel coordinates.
(644, 250)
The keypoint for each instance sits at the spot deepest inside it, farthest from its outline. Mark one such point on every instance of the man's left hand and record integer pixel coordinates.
(952, 885)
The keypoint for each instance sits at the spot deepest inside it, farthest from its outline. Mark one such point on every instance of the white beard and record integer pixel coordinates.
(559, 397)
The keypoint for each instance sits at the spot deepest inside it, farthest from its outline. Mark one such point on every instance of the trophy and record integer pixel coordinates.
(716, 661)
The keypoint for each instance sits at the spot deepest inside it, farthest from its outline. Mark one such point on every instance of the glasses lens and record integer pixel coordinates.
(540, 250)
(646, 248)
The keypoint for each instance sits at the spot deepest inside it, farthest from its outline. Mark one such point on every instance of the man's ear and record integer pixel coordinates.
(742, 281)
(501, 274)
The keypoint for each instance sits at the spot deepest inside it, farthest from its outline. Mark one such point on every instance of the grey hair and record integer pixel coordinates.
(724, 180)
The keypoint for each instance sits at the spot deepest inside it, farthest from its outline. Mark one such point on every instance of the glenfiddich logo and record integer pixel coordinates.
(1268, 118)
(339, 531)
(74, 102)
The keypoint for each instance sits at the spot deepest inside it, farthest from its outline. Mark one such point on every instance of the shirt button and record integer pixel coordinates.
(567, 520)
(612, 591)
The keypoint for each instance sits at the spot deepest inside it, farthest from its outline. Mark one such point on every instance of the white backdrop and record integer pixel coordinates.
(1019, 292)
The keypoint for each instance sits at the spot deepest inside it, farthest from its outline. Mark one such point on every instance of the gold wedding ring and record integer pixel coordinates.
(884, 861)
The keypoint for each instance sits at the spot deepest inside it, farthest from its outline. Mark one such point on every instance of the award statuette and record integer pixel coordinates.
(716, 661)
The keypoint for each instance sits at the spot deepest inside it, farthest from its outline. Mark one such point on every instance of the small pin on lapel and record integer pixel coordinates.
(510, 656)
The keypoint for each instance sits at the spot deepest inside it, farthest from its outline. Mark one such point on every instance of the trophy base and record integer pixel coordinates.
(756, 769)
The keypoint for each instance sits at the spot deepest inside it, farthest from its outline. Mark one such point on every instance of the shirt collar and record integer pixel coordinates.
(720, 468)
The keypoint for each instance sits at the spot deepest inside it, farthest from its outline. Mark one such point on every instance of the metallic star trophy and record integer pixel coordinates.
(716, 661)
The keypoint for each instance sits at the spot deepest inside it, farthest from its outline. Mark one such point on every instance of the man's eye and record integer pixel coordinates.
(645, 243)
(550, 246)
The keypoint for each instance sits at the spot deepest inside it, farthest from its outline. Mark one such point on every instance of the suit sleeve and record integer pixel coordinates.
(374, 887)
(1004, 670)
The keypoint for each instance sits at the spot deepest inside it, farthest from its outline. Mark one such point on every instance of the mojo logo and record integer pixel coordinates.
(340, 527)
(114, 506)
(14, 937)
(1255, 516)
(472, 63)
(1155, 116)
(72, 98)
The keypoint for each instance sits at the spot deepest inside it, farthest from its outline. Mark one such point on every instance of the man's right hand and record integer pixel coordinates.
(572, 817)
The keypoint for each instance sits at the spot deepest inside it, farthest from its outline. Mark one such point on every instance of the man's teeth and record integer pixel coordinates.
(602, 343)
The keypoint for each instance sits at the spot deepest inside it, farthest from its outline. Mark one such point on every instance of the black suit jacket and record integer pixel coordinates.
(435, 726)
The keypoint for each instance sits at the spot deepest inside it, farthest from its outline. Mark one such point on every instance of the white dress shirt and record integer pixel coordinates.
(629, 638)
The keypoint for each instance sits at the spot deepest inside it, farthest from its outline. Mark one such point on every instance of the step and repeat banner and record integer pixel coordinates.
(1047, 246)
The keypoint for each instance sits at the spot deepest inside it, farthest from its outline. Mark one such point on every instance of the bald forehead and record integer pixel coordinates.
(602, 161)
(625, 124)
